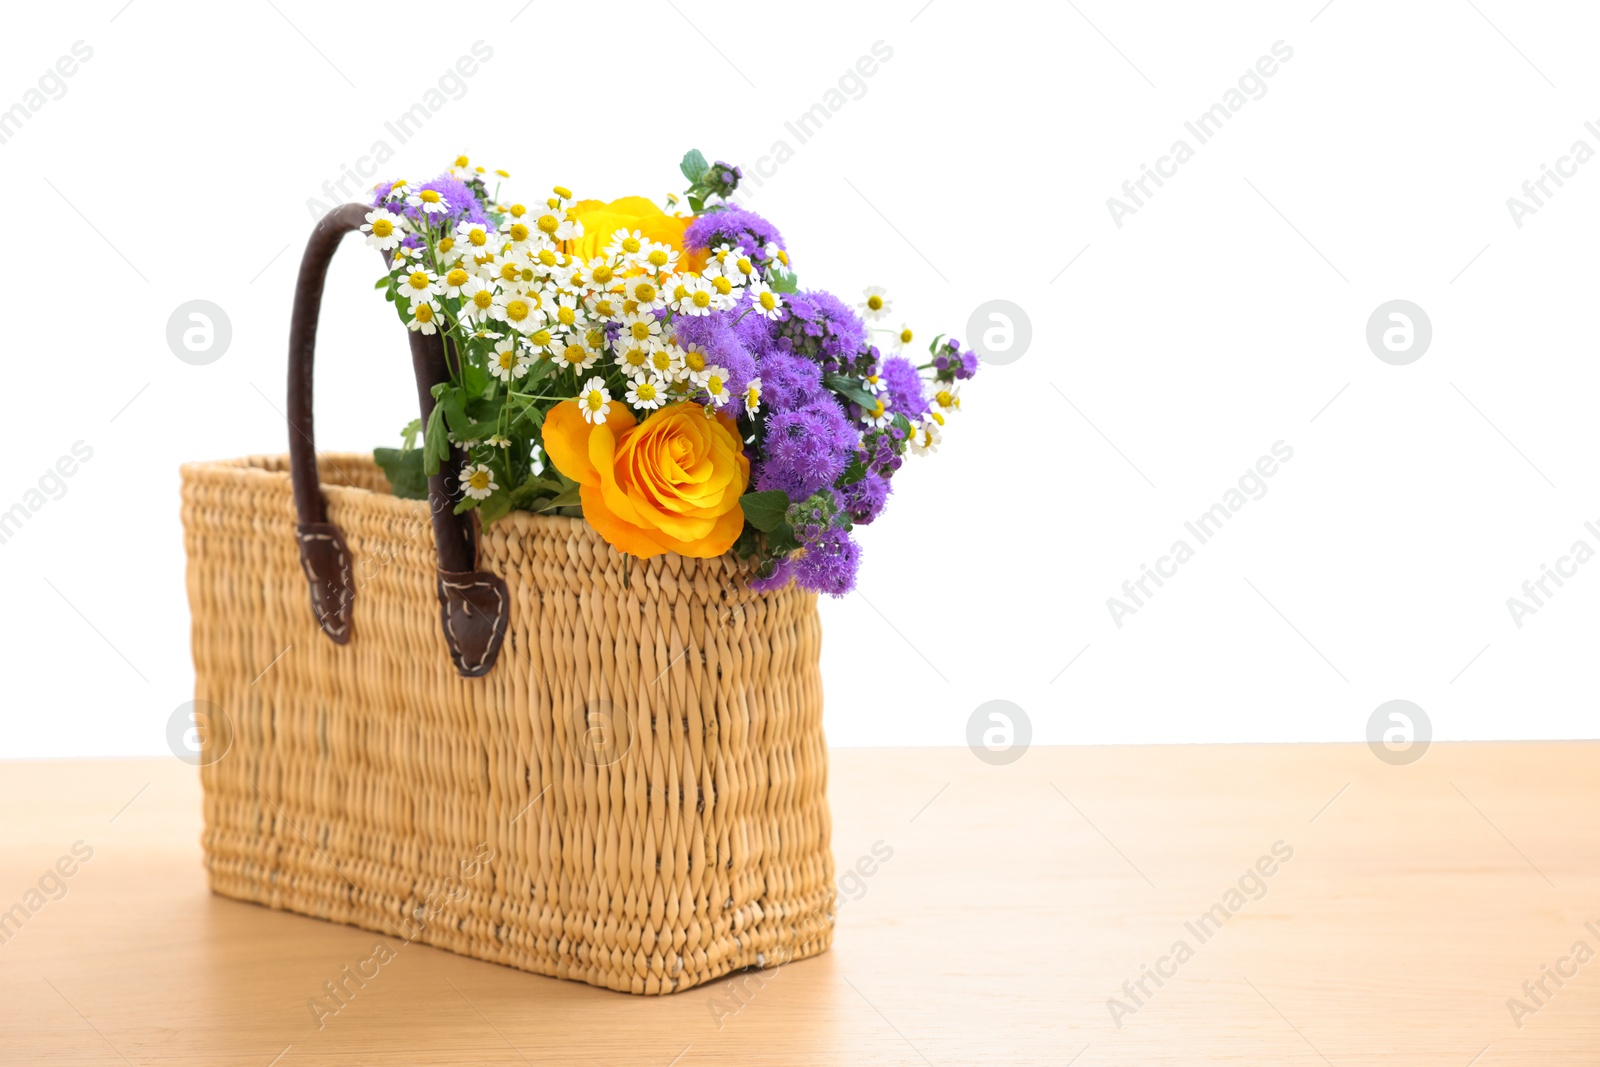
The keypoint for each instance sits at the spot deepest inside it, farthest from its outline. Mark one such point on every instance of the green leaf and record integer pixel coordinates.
(783, 281)
(694, 166)
(851, 390)
(565, 499)
(765, 511)
(409, 435)
(496, 507)
(435, 443)
(382, 282)
(696, 204)
(403, 468)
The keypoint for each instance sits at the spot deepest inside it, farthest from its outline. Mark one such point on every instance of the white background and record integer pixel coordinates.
(1222, 317)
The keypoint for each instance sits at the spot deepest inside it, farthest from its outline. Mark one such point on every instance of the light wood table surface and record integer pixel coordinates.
(1015, 904)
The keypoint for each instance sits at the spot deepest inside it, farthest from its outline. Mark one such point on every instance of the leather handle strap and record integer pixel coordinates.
(473, 604)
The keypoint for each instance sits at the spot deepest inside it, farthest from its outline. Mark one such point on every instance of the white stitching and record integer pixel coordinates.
(499, 618)
(344, 576)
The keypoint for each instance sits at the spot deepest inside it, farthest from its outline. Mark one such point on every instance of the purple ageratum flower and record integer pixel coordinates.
(863, 500)
(905, 387)
(782, 572)
(829, 563)
(822, 327)
(735, 226)
(951, 361)
(804, 451)
(789, 383)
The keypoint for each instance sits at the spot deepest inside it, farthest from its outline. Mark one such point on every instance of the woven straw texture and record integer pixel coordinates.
(634, 797)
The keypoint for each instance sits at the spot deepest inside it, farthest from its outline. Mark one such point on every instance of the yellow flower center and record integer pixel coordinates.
(566, 316)
(456, 278)
(644, 292)
(877, 410)
(479, 480)
(547, 257)
(446, 244)
(424, 313)
(630, 245)
(658, 257)
(636, 356)
(417, 280)
(944, 398)
(662, 361)
(508, 359)
(645, 391)
(905, 337)
(594, 400)
(640, 330)
(875, 302)
(767, 301)
(695, 360)
(510, 271)
(430, 196)
(483, 299)
(477, 237)
(604, 309)
(382, 227)
(603, 274)
(596, 339)
(563, 192)
(575, 354)
(539, 338)
(461, 161)
(714, 385)
(745, 266)
(549, 223)
(723, 285)
(517, 211)
(701, 298)
(937, 417)
(520, 231)
(517, 310)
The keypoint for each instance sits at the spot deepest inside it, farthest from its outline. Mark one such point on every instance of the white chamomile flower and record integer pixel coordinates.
(508, 361)
(629, 248)
(551, 225)
(418, 283)
(519, 312)
(659, 258)
(902, 339)
(602, 275)
(876, 305)
(384, 229)
(458, 278)
(477, 238)
(667, 361)
(642, 328)
(564, 311)
(694, 365)
(424, 316)
(536, 459)
(634, 356)
(483, 333)
(477, 300)
(512, 270)
(644, 293)
(715, 383)
(725, 290)
(431, 201)
(873, 382)
(752, 396)
(725, 255)
(763, 301)
(877, 416)
(478, 480)
(646, 392)
(947, 397)
(594, 400)
(692, 295)
(575, 356)
(925, 438)
(498, 441)
(603, 305)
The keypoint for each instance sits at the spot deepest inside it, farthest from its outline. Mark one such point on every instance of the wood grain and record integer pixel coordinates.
(993, 914)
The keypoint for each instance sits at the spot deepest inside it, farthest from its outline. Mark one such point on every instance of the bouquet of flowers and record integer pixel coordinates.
(655, 369)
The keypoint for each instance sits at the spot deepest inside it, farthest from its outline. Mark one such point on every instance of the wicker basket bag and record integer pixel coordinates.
(511, 743)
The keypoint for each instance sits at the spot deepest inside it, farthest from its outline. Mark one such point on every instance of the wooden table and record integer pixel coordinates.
(1405, 907)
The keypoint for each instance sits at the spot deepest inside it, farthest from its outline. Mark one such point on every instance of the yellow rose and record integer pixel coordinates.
(601, 221)
(669, 484)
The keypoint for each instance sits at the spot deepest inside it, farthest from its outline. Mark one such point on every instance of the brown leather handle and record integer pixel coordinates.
(473, 604)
